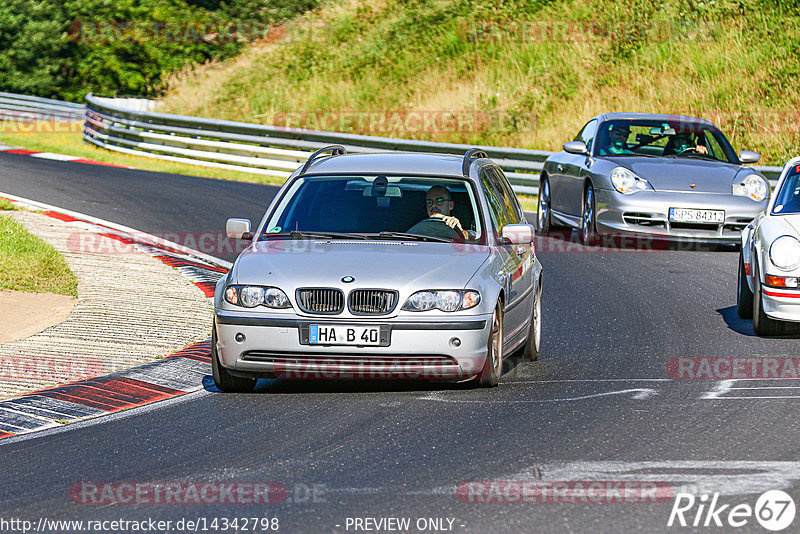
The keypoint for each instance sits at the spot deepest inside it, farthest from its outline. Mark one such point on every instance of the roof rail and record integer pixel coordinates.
(335, 150)
(476, 153)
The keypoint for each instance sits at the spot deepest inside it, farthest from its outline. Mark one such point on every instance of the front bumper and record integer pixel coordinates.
(647, 213)
(419, 348)
(781, 304)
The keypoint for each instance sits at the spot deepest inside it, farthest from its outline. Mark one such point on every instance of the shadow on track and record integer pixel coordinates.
(745, 326)
(364, 385)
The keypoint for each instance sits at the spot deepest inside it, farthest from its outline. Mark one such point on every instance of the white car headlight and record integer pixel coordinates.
(752, 186)
(252, 296)
(626, 181)
(785, 253)
(448, 300)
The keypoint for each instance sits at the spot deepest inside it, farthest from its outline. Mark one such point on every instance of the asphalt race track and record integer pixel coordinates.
(599, 405)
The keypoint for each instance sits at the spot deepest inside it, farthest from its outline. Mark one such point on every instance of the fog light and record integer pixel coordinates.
(240, 337)
(455, 342)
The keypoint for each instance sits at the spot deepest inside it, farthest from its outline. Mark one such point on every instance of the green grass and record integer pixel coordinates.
(27, 263)
(72, 143)
(736, 63)
(6, 205)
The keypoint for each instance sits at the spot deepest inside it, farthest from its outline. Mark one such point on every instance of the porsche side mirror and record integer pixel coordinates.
(238, 229)
(748, 156)
(576, 147)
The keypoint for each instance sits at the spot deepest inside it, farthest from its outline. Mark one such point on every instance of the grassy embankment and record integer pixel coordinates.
(27, 263)
(536, 70)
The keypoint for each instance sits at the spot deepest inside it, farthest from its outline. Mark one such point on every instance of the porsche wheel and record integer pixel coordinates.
(588, 226)
(543, 223)
(744, 296)
(762, 324)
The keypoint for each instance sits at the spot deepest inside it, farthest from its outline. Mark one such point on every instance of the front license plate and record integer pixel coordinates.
(346, 334)
(689, 215)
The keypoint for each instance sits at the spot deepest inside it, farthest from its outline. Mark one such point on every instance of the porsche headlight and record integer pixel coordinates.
(252, 296)
(626, 182)
(752, 186)
(448, 300)
(785, 253)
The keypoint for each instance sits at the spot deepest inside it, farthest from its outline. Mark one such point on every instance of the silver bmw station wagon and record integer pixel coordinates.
(384, 265)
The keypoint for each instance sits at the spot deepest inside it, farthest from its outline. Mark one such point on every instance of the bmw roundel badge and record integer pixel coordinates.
(347, 279)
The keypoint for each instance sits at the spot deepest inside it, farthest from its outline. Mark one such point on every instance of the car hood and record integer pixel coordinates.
(791, 222)
(290, 264)
(672, 174)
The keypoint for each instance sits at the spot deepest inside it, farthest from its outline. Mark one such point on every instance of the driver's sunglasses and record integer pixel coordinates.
(439, 201)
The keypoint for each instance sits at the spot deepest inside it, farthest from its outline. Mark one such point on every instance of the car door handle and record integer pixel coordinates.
(559, 167)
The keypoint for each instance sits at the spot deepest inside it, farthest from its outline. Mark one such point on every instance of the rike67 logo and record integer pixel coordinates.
(774, 510)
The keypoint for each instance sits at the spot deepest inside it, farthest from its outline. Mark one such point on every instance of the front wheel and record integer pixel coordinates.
(222, 378)
(744, 296)
(762, 324)
(543, 207)
(588, 226)
(493, 366)
(533, 344)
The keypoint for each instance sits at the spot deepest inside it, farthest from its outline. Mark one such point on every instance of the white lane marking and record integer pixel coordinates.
(639, 393)
(53, 155)
(689, 476)
(125, 230)
(723, 387)
(592, 380)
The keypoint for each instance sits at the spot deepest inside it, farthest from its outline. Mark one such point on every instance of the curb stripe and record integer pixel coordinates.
(6, 435)
(20, 151)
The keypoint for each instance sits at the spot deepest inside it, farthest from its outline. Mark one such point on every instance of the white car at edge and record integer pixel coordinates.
(769, 261)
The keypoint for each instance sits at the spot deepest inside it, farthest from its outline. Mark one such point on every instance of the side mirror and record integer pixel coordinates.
(747, 156)
(518, 234)
(238, 229)
(576, 147)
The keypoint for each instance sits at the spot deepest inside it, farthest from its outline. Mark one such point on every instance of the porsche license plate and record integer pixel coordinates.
(346, 334)
(690, 215)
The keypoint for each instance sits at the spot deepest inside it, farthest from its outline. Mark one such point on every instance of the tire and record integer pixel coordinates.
(744, 296)
(222, 378)
(588, 227)
(533, 343)
(543, 223)
(763, 325)
(493, 366)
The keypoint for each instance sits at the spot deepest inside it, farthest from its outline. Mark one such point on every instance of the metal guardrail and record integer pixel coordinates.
(126, 126)
(31, 108)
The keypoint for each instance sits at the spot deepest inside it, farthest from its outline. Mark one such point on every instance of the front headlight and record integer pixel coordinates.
(785, 253)
(626, 182)
(447, 300)
(752, 186)
(252, 296)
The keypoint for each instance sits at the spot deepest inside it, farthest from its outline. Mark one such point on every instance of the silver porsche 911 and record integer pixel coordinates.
(390, 265)
(769, 260)
(661, 176)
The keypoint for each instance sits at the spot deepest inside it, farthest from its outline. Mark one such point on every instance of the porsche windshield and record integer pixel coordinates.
(673, 139)
(788, 199)
(377, 206)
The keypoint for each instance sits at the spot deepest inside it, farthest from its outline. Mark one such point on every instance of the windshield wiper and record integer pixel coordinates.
(320, 235)
(413, 237)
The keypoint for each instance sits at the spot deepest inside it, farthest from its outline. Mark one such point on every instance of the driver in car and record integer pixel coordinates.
(438, 205)
(683, 143)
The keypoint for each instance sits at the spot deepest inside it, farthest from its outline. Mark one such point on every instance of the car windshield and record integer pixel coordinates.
(659, 138)
(379, 207)
(788, 199)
